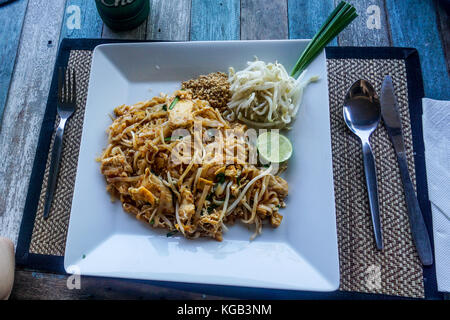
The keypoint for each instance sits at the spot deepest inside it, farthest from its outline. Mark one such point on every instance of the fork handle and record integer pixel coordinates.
(54, 167)
(372, 190)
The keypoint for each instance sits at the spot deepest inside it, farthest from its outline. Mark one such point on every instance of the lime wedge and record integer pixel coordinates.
(274, 147)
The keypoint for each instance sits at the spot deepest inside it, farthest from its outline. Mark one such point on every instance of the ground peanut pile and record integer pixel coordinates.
(213, 87)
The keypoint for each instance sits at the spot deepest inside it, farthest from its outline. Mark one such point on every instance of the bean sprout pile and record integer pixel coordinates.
(264, 95)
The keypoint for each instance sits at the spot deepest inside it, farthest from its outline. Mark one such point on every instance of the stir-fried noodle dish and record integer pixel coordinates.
(185, 163)
(173, 176)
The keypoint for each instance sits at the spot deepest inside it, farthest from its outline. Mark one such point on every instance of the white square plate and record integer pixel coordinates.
(103, 240)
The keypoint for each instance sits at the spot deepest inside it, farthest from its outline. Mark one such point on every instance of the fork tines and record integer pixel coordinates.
(67, 85)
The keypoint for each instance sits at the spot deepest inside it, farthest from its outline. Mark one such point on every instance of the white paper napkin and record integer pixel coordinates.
(436, 132)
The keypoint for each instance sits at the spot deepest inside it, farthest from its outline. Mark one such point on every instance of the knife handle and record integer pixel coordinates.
(372, 190)
(418, 229)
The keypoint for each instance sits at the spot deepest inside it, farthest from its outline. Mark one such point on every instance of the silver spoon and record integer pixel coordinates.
(362, 114)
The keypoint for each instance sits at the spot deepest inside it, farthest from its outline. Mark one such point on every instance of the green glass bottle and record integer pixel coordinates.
(123, 14)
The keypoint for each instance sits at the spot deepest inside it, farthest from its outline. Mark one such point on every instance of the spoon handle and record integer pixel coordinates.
(372, 189)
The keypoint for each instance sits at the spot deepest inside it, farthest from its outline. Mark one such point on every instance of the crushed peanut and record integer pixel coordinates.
(213, 88)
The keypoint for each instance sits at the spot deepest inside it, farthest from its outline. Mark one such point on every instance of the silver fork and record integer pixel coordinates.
(67, 97)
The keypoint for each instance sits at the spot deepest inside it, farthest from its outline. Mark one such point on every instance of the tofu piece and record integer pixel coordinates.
(275, 219)
(143, 194)
(187, 208)
(279, 185)
(181, 114)
(164, 197)
(114, 166)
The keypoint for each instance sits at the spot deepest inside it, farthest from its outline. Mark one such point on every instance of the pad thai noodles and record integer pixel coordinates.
(177, 164)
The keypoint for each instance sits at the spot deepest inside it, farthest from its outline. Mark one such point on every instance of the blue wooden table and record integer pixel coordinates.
(31, 31)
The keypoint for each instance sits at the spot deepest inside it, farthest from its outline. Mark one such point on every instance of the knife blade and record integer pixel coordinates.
(393, 124)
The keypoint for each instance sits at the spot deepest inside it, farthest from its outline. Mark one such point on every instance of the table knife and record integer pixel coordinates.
(392, 122)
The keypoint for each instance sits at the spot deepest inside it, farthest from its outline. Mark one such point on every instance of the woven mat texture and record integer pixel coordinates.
(394, 271)
(49, 236)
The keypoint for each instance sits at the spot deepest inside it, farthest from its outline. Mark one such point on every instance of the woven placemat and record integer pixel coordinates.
(49, 236)
(397, 269)
(394, 271)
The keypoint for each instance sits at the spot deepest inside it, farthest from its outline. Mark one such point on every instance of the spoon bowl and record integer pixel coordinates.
(362, 113)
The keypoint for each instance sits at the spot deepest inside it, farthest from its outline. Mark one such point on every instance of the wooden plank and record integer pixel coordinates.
(81, 20)
(262, 19)
(25, 107)
(306, 17)
(138, 33)
(444, 31)
(11, 19)
(36, 285)
(370, 13)
(91, 25)
(169, 20)
(414, 24)
(215, 20)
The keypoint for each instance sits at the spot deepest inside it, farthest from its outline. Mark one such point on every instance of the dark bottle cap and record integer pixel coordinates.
(123, 14)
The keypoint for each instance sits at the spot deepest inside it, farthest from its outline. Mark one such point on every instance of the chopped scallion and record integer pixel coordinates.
(340, 18)
(167, 139)
(211, 208)
(220, 177)
(174, 102)
(171, 233)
